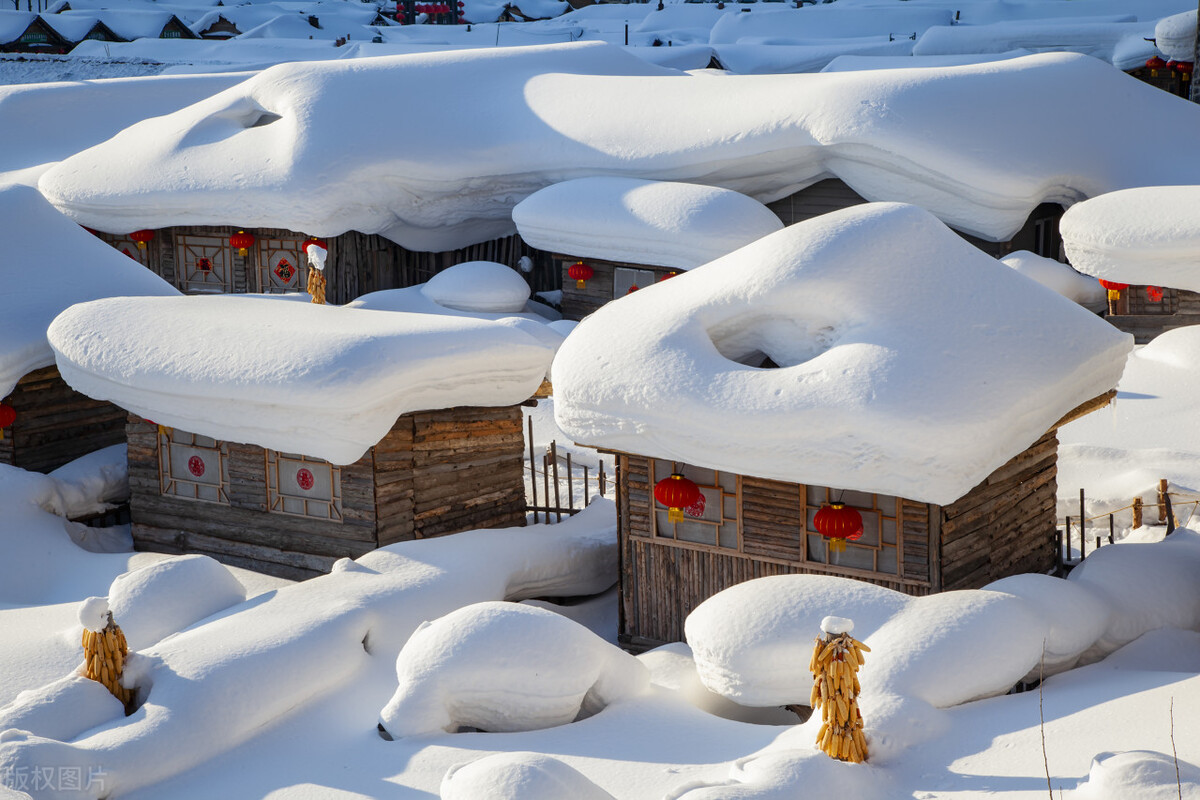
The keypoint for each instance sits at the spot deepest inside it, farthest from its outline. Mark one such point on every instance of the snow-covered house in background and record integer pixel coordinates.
(611, 236)
(272, 153)
(286, 435)
(49, 264)
(918, 381)
(27, 32)
(1145, 244)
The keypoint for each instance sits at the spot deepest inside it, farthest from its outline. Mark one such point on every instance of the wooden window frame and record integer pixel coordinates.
(897, 518)
(673, 538)
(264, 268)
(275, 498)
(191, 246)
(172, 486)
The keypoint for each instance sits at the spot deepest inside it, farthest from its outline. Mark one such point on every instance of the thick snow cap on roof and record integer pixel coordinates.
(663, 223)
(323, 381)
(273, 152)
(1149, 236)
(1175, 35)
(48, 264)
(911, 363)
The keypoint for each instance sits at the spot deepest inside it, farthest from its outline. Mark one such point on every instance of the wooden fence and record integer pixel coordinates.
(1077, 527)
(553, 479)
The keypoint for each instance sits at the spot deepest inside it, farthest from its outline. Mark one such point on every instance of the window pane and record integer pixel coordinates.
(887, 561)
(728, 533)
(696, 532)
(857, 557)
(889, 531)
(816, 495)
(859, 500)
(816, 548)
(870, 528)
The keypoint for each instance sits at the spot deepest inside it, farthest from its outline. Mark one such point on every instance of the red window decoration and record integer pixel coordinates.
(839, 523)
(284, 270)
(633, 289)
(204, 264)
(1154, 293)
(676, 493)
(581, 273)
(196, 466)
(696, 509)
(304, 479)
(243, 242)
(8, 415)
(141, 237)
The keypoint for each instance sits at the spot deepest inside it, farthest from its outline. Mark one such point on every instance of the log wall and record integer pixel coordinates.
(1136, 314)
(600, 288)
(1004, 526)
(435, 473)
(56, 424)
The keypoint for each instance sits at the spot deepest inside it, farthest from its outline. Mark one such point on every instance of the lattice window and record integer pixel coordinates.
(625, 278)
(129, 247)
(282, 265)
(306, 487)
(204, 264)
(192, 467)
(711, 522)
(877, 550)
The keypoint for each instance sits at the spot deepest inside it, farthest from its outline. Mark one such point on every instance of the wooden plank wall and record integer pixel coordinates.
(578, 303)
(1146, 320)
(1005, 525)
(241, 533)
(56, 424)
(467, 470)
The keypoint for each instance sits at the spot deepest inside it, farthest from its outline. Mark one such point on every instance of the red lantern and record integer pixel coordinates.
(1154, 293)
(1184, 67)
(8, 415)
(668, 275)
(1114, 288)
(1173, 65)
(313, 240)
(633, 289)
(141, 237)
(581, 273)
(839, 523)
(676, 493)
(1154, 65)
(242, 241)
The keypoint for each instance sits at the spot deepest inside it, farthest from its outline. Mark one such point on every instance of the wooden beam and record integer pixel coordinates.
(1084, 409)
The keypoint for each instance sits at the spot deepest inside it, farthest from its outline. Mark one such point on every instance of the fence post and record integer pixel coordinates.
(1067, 555)
(602, 480)
(1162, 500)
(586, 493)
(1082, 527)
(1111, 530)
(546, 484)
(1137, 512)
(571, 486)
(554, 464)
(533, 472)
(1170, 515)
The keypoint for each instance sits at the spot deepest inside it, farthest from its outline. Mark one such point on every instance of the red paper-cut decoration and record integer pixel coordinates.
(304, 479)
(196, 466)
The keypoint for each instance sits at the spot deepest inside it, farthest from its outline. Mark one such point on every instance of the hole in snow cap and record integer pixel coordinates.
(767, 342)
(264, 118)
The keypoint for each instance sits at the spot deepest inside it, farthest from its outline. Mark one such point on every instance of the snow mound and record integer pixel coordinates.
(505, 667)
(93, 482)
(478, 286)
(1175, 36)
(157, 600)
(666, 224)
(1163, 649)
(826, 23)
(93, 614)
(1144, 774)
(868, 395)
(62, 710)
(518, 776)
(1059, 277)
(1074, 617)
(1146, 586)
(1139, 236)
(324, 381)
(271, 152)
(51, 263)
(1118, 40)
(752, 641)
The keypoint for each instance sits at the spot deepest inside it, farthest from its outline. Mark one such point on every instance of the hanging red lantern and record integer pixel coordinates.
(141, 237)
(1154, 65)
(1185, 69)
(633, 289)
(581, 273)
(1154, 294)
(313, 240)
(1173, 65)
(1114, 288)
(242, 241)
(676, 493)
(838, 523)
(8, 415)
(668, 275)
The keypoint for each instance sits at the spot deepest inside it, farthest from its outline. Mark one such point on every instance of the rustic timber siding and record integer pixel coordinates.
(599, 289)
(1039, 234)
(1135, 313)
(55, 424)
(356, 263)
(1005, 525)
(435, 473)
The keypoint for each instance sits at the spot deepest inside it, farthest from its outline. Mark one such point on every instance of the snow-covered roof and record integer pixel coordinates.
(129, 23)
(72, 27)
(802, 26)
(667, 224)
(272, 151)
(1141, 236)
(324, 381)
(1121, 43)
(911, 363)
(48, 264)
(852, 63)
(1175, 36)
(13, 24)
(1060, 277)
(776, 59)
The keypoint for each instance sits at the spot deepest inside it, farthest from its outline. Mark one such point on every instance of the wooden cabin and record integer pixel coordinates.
(36, 37)
(434, 473)
(55, 424)
(1039, 235)
(220, 28)
(610, 280)
(1147, 311)
(753, 527)
(201, 260)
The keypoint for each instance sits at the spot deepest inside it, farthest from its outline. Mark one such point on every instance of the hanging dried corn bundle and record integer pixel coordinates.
(834, 666)
(316, 251)
(104, 647)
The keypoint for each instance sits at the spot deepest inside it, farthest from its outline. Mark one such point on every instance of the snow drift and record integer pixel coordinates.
(272, 151)
(857, 307)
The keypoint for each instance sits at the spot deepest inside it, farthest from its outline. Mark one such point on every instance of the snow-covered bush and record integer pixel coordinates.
(505, 667)
(518, 776)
